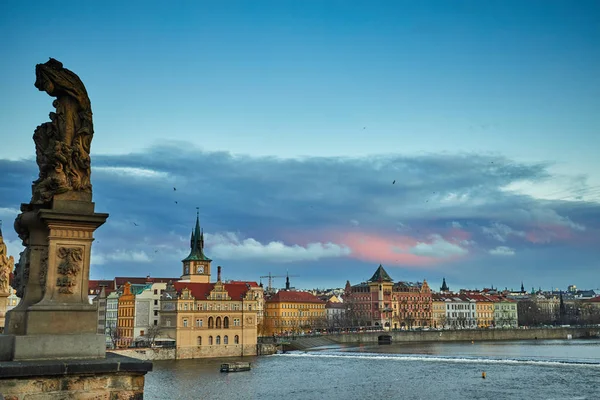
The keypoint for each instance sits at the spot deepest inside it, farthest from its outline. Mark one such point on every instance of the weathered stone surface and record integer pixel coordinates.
(62, 145)
(115, 377)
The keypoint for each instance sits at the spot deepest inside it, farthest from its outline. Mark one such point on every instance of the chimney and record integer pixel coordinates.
(219, 273)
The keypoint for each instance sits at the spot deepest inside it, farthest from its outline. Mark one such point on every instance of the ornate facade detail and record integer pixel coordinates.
(63, 144)
(21, 272)
(7, 264)
(71, 234)
(69, 267)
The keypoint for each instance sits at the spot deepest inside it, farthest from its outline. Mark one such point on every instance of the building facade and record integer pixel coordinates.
(290, 312)
(209, 319)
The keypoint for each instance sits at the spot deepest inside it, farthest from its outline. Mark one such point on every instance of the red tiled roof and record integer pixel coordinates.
(201, 291)
(593, 300)
(293, 296)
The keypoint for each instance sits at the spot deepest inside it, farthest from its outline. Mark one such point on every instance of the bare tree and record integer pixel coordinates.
(114, 334)
(152, 333)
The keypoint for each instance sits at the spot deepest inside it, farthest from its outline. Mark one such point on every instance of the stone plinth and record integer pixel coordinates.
(115, 377)
(54, 319)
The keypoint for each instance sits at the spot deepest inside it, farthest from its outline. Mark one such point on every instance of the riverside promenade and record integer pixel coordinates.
(306, 342)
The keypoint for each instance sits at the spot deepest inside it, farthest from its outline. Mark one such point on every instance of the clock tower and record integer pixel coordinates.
(196, 266)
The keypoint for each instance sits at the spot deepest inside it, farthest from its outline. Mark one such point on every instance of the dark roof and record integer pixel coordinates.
(95, 286)
(380, 275)
(121, 280)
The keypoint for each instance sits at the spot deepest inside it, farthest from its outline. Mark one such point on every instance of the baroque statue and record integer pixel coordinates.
(6, 266)
(62, 145)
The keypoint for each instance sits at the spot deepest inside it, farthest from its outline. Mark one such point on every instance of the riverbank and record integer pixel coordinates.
(268, 345)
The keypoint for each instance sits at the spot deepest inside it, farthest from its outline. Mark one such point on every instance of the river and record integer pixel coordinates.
(551, 370)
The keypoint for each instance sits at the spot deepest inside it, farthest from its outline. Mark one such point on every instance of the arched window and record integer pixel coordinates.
(199, 340)
(226, 322)
(236, 339)
(210, 340)
(218, 322)
(211, 322)
(225, 339)
(218, 339)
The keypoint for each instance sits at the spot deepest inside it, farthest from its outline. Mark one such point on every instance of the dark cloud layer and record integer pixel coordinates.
(331, 219)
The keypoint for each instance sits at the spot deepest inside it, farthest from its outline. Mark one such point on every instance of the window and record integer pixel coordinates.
(199, 323)
(225, 339)
(156, 313)
(210, 340)
(218, 339)
(236, 339)
(218, 322)
(155, 322)
(211, 322)
(236, 322)
(141, 333)
(199, 340)
(185, 322)
(155, 291)
(155, 301)
(226, 323)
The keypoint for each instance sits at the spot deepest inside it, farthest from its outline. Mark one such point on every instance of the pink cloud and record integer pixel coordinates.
(548, 233)
(399, 249)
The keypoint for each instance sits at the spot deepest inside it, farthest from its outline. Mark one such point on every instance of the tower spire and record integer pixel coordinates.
(197, 242)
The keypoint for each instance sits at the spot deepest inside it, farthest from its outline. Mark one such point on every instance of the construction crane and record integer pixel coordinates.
(271, 277)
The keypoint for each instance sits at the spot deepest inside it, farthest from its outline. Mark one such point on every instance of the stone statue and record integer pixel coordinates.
(6, 267)
(63, 145)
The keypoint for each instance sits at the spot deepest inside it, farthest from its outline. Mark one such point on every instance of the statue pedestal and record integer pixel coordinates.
(54, 319)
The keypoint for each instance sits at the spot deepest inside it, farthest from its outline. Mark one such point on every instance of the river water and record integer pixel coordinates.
(552, 369)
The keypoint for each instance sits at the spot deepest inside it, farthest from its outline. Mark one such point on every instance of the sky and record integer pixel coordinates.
(322, 138)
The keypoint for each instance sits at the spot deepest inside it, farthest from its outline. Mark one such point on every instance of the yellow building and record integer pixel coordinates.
(438, 308)
(125, 317)
(291, 312)
(209, 319)
(484, 307)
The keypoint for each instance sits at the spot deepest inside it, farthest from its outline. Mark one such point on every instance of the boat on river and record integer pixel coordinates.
(235, 367)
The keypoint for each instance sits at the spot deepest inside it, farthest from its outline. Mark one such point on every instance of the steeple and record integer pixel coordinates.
(444, 287)
(197, 243)
(287, 282)
(0, 228)
(522, 287)
(380, 275)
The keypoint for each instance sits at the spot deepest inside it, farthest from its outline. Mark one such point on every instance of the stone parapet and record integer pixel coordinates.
(113, 377)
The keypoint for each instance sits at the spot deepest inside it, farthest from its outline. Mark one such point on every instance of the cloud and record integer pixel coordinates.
(443, 212)
(501, 232)
(229, 247)
(437, 248)
(120, 256)
(502, 251)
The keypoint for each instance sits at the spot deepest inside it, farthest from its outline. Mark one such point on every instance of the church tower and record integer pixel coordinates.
(196, 266)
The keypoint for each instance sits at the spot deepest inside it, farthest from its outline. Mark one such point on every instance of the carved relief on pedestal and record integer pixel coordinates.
(43, 269)
(69, 266)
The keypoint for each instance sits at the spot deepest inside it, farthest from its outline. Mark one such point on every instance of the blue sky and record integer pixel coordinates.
(494, 106)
